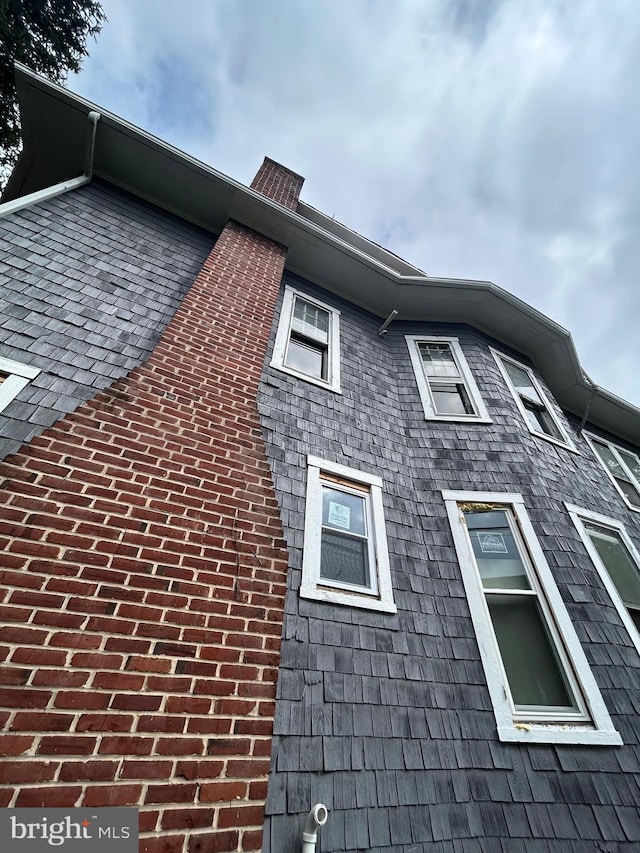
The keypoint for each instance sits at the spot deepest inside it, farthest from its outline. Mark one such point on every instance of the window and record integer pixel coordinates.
(345, 559)
(307, 342)
(623, 467)
(13, 378)
(447, 387)
(531, 401)
(540, 683)
(617, 561)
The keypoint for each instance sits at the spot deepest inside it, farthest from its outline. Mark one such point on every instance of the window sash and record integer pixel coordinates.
(632, 464)
(345, 558)
(305, 356)
(451, 399)
(532, 402)
(507, 545)
(614, 461)
(585, 520)
(344, 561)
(307, 343)
(523, 383)
(535, 725)
(355, 525)
(444, 379)
(447, 387)
(617, 560)
(540, 420)
(435, 364)
(310, 321)
(533, 668)
(359, 539)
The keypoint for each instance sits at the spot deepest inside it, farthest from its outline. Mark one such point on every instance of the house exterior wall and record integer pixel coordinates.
(144, 562)
(88, 282)
(143, 567)
(386, 719)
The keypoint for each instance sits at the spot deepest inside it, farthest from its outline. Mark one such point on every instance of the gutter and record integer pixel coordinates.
(10, 207)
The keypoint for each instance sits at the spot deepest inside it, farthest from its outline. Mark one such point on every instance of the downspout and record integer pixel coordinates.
(92, 129)
(316, 818)
(594, 391)
(382, 331)
(63, 187)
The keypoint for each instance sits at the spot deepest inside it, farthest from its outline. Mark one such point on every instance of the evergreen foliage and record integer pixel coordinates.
(49, 36)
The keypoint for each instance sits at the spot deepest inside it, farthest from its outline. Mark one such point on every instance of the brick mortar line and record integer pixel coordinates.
(254, 576)
(84, 631)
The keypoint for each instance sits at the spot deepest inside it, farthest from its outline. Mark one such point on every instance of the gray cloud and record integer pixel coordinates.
(493, 140)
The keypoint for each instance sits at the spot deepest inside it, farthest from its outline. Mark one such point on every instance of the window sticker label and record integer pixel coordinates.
(339, 515)
(492, 543)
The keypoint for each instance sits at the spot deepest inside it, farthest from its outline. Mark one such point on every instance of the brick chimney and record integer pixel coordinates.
(145, 573)
(278, 183)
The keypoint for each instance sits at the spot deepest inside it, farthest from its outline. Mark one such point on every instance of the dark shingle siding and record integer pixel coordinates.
(88, 282)
(387, 719)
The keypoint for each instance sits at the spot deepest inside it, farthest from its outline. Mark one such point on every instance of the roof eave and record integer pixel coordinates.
(320, 248)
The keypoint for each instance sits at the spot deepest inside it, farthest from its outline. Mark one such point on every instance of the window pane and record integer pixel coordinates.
(522, 382)
(629, 491)
(539, 419)
(635, 617)
(451, 400)
(306, 358)
(632, 462)
(617, 561)
(344, 558)
(343, 511)
(611, 462)
(529, 658)
(310, 320)
(438, 359)
(496, 552)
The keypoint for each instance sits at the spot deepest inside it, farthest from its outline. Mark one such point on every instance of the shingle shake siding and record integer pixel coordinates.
(88, 282)
(155, 649)
(387, 719)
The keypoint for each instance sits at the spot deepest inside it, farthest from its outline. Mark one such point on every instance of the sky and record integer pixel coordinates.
(484, 139)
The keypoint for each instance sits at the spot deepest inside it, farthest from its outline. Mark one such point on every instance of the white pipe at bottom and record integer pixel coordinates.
(316, 818)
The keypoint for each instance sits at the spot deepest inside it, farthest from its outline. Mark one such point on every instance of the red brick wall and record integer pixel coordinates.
(143, 581)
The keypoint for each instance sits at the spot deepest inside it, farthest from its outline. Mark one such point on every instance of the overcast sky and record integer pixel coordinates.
(485, 139)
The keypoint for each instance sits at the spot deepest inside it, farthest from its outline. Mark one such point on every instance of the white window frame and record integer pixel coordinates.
(594, 725)
(18, 377)
(578, 515)
(283, 336)
(564, 440)
(615, 449)
(380, 595)
(480, 415)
